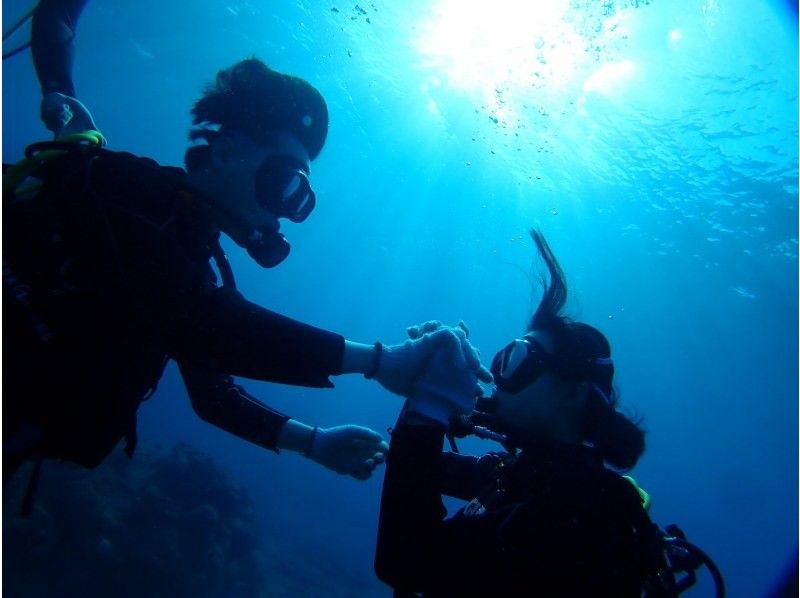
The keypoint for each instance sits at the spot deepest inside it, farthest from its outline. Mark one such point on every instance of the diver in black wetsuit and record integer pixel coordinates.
(107, 273)
(546, 517)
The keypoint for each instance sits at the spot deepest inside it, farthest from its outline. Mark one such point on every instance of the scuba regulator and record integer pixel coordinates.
(267, 247)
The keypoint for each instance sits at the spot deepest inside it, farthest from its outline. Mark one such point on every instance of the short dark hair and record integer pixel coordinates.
(251, 98)
(616, 437)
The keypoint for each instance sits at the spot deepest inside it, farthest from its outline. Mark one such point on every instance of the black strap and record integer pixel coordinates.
(67, 146)
(223, 265)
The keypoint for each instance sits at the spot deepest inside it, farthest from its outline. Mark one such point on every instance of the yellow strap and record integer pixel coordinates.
(22, 169)
(642, 494)
(92, 137)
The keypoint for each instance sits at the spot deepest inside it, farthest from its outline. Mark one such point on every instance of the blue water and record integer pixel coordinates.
(656, 146)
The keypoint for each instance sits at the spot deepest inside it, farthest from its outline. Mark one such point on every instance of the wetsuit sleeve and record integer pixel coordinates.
(244, 339)
(465, 476)
(411, 507)
(220, 402)
(52, 43)
(418, 550)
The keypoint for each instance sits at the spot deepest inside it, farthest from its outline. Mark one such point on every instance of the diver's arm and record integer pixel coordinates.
(247, 340)
(220, 402)
(52, 43)
(348, 450)
(52, 36)
(465, 476)
(416, 549)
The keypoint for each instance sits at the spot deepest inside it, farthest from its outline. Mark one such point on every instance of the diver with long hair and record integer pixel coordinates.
(551, 515)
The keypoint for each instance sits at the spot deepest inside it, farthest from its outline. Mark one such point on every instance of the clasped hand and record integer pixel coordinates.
(447, 384)
(437, 370)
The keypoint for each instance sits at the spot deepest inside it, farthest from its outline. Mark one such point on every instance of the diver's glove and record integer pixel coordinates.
(446, 390)
(350, 450)
(400, 367)
(65, 115)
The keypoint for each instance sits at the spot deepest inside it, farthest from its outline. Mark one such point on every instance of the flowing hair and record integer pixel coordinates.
(584, 354)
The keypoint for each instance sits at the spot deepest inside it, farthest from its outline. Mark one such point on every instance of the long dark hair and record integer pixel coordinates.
(577, 348)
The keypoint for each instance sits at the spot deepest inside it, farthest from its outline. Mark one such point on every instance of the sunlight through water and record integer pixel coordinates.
(523, 50)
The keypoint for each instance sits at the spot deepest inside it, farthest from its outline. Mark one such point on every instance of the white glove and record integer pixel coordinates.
(65, 115)
(350, 450)
(444, 391)
(401, 366)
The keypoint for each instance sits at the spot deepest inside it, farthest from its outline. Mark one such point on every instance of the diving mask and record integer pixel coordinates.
(283, 188)
(519, 364)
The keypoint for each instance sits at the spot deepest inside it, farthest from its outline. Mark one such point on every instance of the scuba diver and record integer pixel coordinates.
(548, 516)
(107, 274)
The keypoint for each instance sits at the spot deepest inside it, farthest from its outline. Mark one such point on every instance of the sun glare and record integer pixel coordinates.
(608, 77)
(520, 58)
(500, 44)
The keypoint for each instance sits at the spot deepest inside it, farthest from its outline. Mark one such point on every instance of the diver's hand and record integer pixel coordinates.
(446, 390)
(471, 353)
(65, 115)
(401, 366)
(350, 450)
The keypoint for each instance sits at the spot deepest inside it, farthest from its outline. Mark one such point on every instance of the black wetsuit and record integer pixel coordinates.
(552, 521)
(107, 275)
